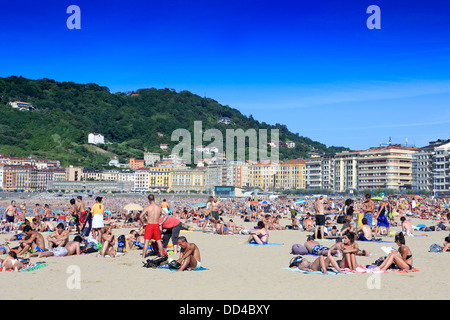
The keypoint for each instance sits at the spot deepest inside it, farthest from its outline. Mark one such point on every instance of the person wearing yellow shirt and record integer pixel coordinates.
(97, 212)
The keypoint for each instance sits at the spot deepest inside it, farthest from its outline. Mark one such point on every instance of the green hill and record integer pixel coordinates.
(68, 111)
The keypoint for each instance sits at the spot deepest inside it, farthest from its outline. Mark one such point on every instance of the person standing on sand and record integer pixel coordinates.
(320, 217)
(150, 219)
(368, 209)
(9, 214)
(215, 208)
(97, 212)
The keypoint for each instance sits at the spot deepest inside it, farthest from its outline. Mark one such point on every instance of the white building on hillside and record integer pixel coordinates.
(96, 138)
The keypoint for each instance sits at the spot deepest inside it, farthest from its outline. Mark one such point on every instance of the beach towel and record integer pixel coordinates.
(30, 267)
(167, 267)
(267, 244)
(378, 241)
(406, 271)
(330, 272)
(368, 269)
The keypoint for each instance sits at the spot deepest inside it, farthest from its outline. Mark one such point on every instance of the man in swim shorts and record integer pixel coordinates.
(9, 214)
(315, 248)
(150, 218)
(189, 255)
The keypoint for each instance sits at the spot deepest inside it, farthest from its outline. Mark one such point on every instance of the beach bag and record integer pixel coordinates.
(299, 249)
(295, 261)
(155, 263)
(435, 248)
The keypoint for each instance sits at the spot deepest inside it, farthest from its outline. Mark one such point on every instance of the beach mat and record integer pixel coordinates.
(30, 267)
(377, 241)
(267, 244)
(166, 267)
(330, 272)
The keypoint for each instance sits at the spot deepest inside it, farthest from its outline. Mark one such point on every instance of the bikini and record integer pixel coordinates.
(260, 236)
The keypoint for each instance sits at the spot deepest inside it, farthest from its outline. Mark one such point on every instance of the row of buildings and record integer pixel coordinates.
(395, 167)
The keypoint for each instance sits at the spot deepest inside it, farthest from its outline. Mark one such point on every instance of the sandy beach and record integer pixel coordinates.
(235, 272)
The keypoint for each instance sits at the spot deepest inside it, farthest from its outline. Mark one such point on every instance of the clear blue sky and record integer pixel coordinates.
(312, 65)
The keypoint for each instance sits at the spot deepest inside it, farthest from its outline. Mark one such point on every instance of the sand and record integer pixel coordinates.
(236, 272)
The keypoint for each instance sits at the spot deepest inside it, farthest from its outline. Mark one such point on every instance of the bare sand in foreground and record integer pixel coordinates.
(236, 272)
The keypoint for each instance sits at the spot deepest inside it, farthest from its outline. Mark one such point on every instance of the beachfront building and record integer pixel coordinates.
(441, 170)
(214, 177)
(386, 167)
(96, 138)
(151, 158)
(291, 175)
(159, 178)
(74, 173)
(313, 174)
(141, 179)
(39, 163)
(187, 180)
(26, 178)
(84, 186)
(263, 175)
(44, 178)
(346, 171)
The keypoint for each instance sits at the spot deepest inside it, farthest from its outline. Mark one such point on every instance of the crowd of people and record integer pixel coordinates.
(44, 231)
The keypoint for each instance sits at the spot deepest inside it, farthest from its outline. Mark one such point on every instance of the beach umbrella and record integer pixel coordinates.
(133, 207)
(254, 202)
(377, 198)
(265, 202)
(200, 205)
(418, 197)
(299, 202)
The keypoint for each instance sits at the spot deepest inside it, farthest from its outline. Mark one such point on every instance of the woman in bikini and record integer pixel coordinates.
(402, 259)
(259, 235)
(349, 250)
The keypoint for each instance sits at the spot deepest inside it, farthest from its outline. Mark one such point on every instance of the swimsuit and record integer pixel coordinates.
(152, 231)
(260, 236)
(316, 250)
(59, 252)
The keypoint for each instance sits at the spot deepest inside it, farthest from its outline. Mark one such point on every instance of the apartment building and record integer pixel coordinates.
(141, 179)
(388, 167)
(346, 171)
(291, 175)
(185, 180)
(159, 178)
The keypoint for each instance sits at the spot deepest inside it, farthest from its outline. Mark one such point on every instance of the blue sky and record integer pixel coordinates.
(315, 67)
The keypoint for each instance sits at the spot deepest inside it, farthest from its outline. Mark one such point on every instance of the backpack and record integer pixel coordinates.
(121, 244)
(155, 263)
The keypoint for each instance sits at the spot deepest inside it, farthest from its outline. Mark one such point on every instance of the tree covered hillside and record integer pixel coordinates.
(68, 111)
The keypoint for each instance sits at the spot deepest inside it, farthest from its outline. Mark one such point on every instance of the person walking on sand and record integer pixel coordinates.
(150, 219)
